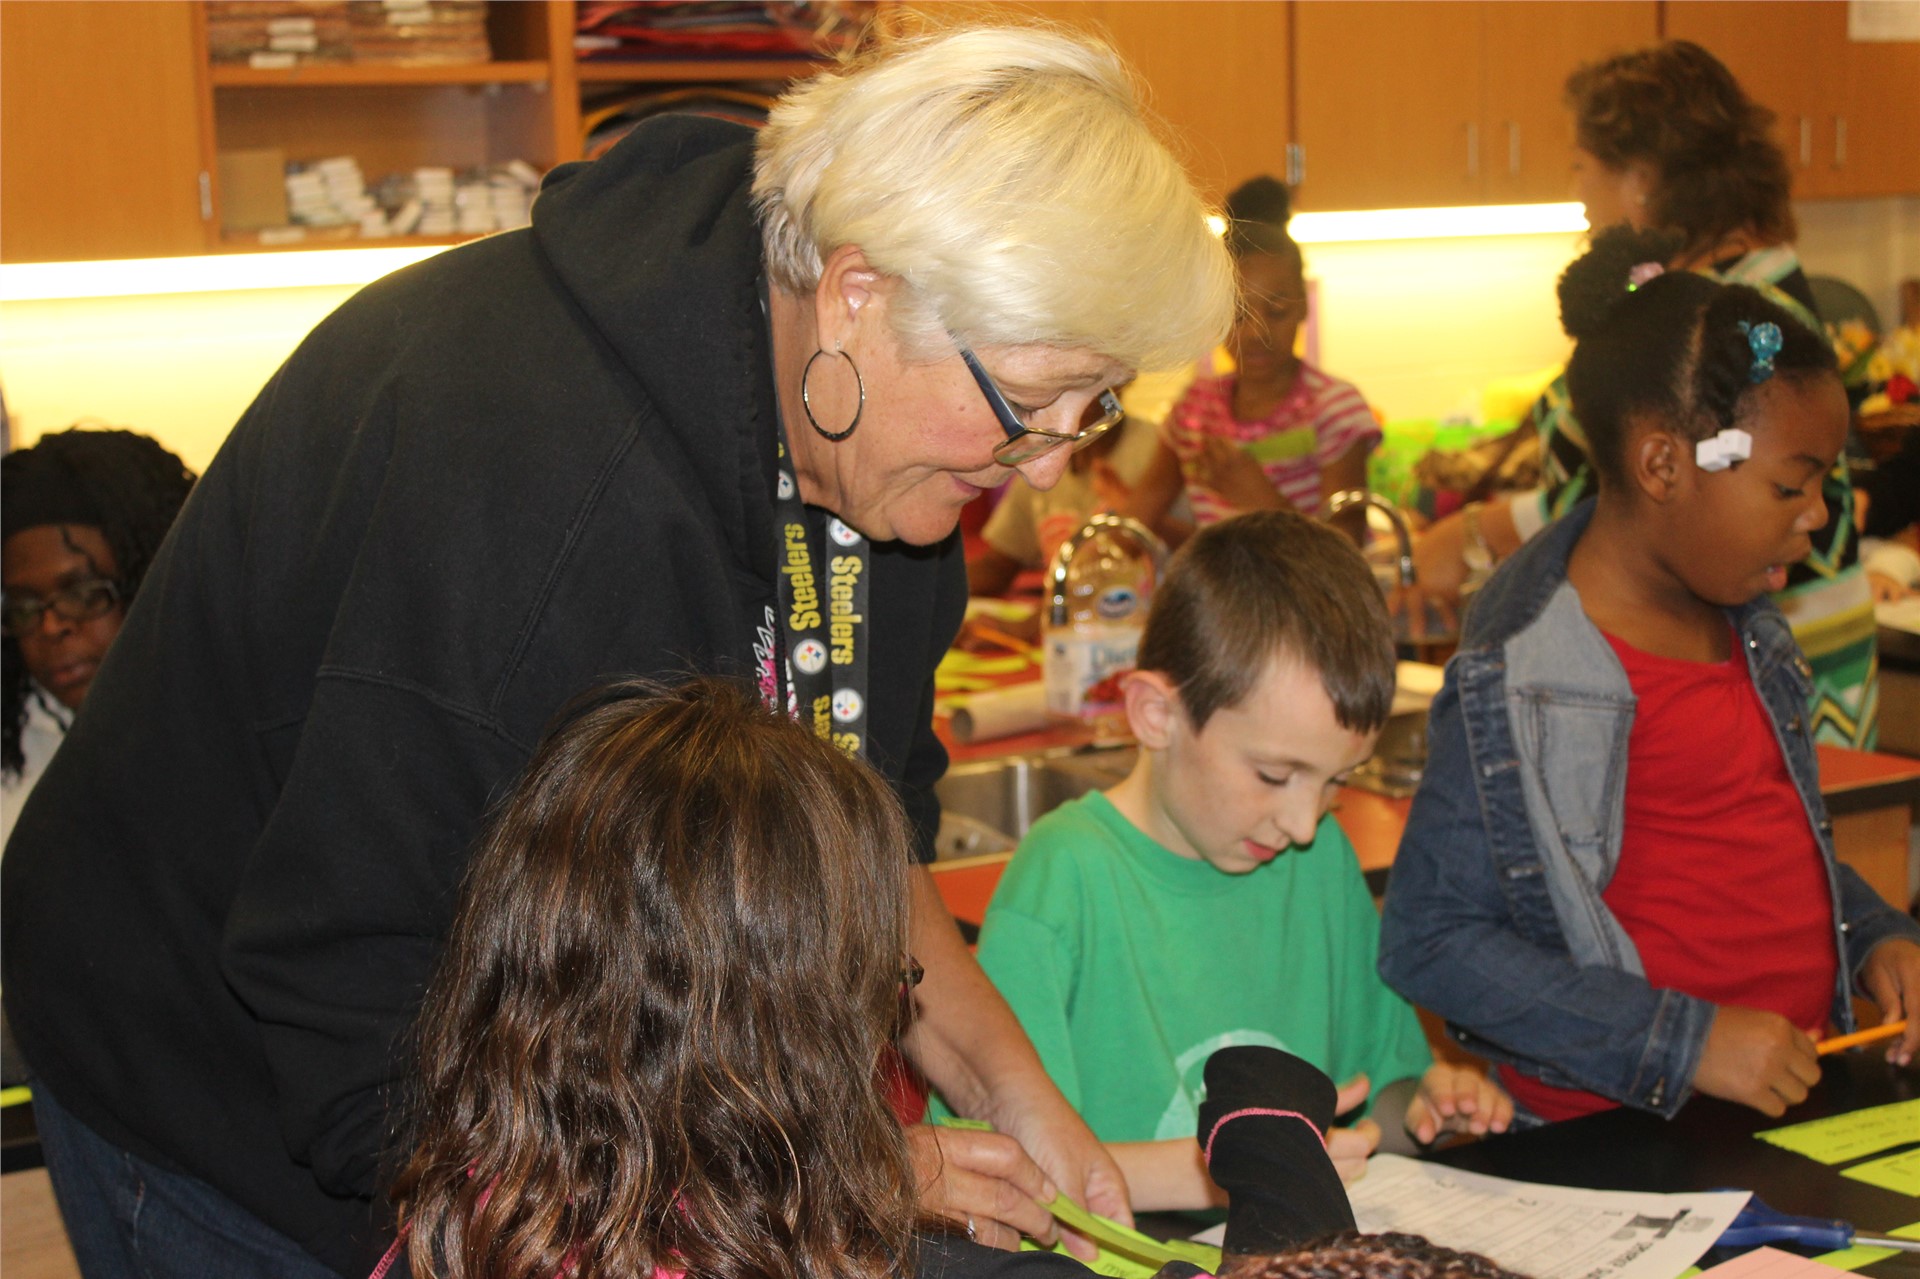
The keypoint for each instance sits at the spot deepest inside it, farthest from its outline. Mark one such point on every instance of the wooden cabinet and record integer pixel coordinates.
(100, 116)
(1414, 103)
(114, 118)
(1215, 71)
(1849, 111)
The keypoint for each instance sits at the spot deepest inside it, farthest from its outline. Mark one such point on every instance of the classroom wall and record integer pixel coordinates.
(1421, 326)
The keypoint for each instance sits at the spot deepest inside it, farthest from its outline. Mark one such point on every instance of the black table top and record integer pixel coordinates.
(1710, 1146)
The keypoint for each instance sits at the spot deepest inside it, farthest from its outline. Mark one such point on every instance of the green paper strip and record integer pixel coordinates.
(1858, 1132)
(15, 1096)
(1137, 1254)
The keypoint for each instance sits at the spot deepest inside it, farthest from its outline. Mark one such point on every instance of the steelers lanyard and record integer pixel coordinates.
(823, 615)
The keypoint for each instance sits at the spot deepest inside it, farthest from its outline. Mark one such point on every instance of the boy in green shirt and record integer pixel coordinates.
(1209, 899)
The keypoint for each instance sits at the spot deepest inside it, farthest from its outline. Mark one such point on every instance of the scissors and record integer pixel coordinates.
(1758, 1224)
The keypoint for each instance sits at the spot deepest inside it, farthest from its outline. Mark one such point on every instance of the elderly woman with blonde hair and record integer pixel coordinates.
(717, 409)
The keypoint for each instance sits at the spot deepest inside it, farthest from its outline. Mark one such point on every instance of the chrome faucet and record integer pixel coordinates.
(1347, 499)
(1149, 541)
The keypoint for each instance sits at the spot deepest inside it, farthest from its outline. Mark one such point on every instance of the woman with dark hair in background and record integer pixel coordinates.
(83, 511)
(1666, 140)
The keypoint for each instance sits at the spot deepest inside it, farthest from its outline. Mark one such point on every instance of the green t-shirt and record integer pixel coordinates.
(1129, 965)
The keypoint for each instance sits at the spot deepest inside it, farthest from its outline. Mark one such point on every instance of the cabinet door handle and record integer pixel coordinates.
(1839, 142)
(1473, 149)
(206, 196)
(1806, 142)
(1513, 149)
(1296, 164)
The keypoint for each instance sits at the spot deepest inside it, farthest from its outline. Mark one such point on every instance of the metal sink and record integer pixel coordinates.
(988, 806)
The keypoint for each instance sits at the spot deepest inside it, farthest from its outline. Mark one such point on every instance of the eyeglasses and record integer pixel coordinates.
(1025, 443)
(78, 602)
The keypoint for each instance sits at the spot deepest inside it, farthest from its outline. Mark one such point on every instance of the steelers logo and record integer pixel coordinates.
(785, 486)
(847, 705)
(841, 533)
(810, 655)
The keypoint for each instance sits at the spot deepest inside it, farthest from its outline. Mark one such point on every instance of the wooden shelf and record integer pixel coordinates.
(334, 74)
(337, 238)
(636, 71)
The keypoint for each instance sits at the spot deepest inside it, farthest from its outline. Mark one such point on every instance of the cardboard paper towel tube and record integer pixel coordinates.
(1021, 708)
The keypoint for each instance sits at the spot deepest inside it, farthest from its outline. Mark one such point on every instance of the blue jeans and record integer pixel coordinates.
(127, 1219)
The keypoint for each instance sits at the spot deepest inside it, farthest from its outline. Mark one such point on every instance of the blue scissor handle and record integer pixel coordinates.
(1758, 1224)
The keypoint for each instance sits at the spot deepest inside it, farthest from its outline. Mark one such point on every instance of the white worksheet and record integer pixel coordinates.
(1549, 1232)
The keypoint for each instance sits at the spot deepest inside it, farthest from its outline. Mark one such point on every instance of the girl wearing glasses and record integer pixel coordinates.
(1276, 432)
(84, 512)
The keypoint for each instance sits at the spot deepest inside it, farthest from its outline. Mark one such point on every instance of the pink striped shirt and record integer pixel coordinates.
(1320, 419)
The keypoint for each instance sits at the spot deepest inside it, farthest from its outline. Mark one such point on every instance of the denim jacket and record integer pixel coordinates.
(1494, 917)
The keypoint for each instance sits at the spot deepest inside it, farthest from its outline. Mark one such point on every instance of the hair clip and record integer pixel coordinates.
(1765, 339)
(1643, 272)
(1723, 450)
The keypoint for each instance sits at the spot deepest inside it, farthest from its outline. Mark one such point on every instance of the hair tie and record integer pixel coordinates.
(1765, 340)
(1643, 272)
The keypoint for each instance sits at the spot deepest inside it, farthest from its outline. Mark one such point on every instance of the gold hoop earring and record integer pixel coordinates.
(806, 404)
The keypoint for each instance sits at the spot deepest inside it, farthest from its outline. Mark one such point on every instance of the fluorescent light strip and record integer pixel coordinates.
(218, 273)
(1464, 222)
(234, 272)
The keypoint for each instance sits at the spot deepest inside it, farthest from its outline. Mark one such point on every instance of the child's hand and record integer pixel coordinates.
(1891, 978)
(1758, 1059)
(1349, 1147)
(1456, 1098)
(1232, 472)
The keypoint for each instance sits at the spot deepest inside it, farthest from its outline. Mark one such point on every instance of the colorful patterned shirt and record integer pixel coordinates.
(1318, 421)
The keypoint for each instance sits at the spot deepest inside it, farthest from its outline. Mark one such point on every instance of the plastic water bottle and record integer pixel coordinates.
(1102, 581)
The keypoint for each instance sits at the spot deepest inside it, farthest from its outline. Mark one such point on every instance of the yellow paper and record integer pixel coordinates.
(1854, 1258)
(1849, 1136)
(959, 663)
(1899, 1173)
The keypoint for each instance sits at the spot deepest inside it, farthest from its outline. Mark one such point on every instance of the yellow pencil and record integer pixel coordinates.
(1886, 1030)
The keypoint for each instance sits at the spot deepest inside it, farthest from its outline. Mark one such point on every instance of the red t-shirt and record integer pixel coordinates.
(1720, 882)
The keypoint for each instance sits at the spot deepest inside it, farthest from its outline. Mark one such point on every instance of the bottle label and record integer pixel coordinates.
(1081, 666)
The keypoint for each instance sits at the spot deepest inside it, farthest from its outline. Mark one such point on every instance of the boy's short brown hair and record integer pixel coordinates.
(1250, 589)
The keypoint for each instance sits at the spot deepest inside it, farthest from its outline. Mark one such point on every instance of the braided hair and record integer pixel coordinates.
(1392, 1255)
(120, 482)
(1670, 346)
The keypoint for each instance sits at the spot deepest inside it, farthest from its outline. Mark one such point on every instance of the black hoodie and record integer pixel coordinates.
(480, 486)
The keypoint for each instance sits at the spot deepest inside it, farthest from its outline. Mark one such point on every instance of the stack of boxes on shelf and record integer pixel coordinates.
(286, 33)
(330, 198)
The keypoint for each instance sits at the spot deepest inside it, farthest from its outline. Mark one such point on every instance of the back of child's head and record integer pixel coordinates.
(652, 1038)
(1674, 348)
(1267, 587)
(1391, 1255)
(1257, 212)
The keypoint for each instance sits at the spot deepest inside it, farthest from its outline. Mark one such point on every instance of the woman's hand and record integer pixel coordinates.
(1060, 1142)
(1758, 1059)
(984, 1182)
(1891, 978)
(1232, 472)
(1454, 1098)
